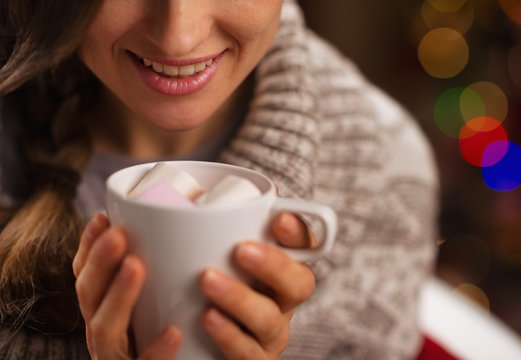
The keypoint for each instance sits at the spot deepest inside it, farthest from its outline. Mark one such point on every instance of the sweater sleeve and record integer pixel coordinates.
(30, 345)
(321, 131)
(376, 168)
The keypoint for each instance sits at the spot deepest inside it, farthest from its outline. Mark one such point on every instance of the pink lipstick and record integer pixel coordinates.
(176, 78)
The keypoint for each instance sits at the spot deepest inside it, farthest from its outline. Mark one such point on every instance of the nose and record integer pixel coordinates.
(178, 26)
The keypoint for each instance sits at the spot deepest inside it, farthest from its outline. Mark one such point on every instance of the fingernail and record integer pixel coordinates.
(170, 337)
(250, 254)
(286, 223)
(107, 243)
(283, 220)
(125, 271)
(94, 226)
(212, 282)
(213, 318)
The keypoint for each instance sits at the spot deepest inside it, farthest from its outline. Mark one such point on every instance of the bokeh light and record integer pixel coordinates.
(474, 115)
(443, 53)
(477, 135)
(512, 9)
(506, 174)
(471, 105)
(446, 5)
(460, 20)
(474, 293)
(447, 112)
(492, 97)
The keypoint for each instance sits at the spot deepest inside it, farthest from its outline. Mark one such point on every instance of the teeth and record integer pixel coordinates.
(199, 66)
(169, 70)
(186, 70)
(157, 67)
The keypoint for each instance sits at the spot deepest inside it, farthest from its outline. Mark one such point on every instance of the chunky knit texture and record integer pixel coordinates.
(322, 132)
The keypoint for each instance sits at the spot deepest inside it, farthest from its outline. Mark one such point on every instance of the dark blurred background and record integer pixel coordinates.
(399, 46)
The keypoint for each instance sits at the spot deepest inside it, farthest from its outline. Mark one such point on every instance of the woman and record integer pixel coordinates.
(96, 86)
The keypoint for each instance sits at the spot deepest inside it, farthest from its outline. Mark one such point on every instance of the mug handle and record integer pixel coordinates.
(324, 213)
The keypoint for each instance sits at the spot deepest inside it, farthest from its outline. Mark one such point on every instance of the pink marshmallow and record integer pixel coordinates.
(164, 194)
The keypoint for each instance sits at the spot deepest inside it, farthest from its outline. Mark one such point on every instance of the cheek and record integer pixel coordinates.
(92, 50)
(111, 24)
(94, 54)
(89, 48)
(250, 21)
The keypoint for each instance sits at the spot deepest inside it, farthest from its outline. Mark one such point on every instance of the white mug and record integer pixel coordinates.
(177, 243)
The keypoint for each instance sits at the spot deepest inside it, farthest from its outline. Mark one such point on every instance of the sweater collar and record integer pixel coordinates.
(280, 134)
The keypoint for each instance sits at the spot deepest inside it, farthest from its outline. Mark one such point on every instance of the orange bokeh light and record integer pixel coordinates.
(512, 9)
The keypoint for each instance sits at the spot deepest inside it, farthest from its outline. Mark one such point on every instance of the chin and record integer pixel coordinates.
(173, 123)
(175, 115)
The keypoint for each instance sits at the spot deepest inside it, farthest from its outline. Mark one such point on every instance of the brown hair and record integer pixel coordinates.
(48, 86)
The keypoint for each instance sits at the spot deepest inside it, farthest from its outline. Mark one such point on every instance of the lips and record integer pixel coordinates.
(176, 78)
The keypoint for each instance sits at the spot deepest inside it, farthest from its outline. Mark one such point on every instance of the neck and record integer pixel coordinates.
(127, 134)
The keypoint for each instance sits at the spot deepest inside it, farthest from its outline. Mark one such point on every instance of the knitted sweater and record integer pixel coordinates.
(322, 132)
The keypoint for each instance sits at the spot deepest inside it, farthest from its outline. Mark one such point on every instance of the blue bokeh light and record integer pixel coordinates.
(506, 174)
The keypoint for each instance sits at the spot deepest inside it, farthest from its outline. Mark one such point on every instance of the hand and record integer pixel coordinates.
(108, 283)
(254, 324)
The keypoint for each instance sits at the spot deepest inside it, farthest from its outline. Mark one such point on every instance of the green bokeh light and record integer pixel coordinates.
(471, 105)
(447, 112)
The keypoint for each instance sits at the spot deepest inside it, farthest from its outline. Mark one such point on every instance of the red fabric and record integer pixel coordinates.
(433, 351)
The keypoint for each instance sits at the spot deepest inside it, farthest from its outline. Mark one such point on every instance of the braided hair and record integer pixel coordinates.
(43, 80)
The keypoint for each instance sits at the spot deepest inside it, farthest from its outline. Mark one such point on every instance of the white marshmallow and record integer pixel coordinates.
(230, 189)
(178, 179)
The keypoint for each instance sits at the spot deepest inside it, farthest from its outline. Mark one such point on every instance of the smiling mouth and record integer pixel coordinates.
(177, 77)
(173, 71)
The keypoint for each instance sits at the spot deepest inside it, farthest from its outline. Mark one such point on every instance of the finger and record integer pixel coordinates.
(229, 337)
(291, 281)
(97, 224)
(292, 231)
(258, 313)
(165, 346)
(111, 321)
(99, 270)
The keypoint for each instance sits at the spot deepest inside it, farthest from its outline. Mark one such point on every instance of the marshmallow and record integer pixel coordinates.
(230, 189)
(181, 181)
(164, 194)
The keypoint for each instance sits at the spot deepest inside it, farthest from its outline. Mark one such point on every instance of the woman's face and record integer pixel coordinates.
(174, 62)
